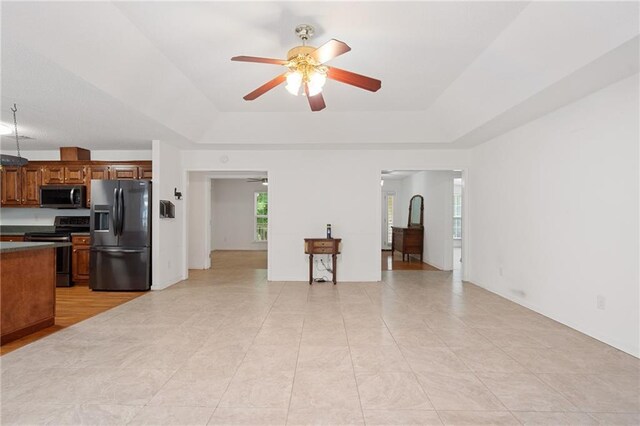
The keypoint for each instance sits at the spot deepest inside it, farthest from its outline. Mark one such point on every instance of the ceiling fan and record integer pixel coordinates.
(263, 181)
(307, 70)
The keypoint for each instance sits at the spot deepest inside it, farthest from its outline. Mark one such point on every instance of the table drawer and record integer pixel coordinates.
(318, 244)
(323, 250)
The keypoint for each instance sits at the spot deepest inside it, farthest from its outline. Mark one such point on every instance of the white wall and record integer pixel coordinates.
(168, 235)
(233, 214)
(198, 200)
(308, 189)
(555, 213)
(437, 189)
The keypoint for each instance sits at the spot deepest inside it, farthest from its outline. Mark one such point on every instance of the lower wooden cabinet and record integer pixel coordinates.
(81, 248)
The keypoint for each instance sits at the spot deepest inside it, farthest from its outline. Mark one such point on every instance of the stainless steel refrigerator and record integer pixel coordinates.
(120, 256)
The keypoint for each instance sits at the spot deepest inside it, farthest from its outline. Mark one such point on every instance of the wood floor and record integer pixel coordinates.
(238, 259)
(75, 304)
(257, 259)
(395, 263)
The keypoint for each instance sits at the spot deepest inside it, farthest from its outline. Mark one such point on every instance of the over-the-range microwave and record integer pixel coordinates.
(63, 196)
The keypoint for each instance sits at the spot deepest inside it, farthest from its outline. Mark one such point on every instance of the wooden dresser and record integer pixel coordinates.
(408, 241)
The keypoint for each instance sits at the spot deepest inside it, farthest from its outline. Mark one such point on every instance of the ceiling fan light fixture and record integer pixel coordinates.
(294, 81)
(316, 83)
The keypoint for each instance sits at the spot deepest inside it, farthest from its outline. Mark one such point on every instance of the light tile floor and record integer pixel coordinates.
(228, 347)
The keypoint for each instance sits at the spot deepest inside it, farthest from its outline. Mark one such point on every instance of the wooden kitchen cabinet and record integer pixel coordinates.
(97, 172)
(11, 186)
(21, 186)
(31, 182)
(74, 174)
(60, 174)
(123, 172)
(81, 248)
(145, 172)
(53, 175)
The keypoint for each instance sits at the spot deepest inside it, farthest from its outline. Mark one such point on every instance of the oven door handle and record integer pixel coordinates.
(47, 239)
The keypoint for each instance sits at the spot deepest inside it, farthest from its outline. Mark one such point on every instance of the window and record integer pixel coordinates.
(457, 216)
(261, 209)
(390, 197)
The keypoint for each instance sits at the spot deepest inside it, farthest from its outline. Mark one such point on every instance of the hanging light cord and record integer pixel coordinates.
(15, 125)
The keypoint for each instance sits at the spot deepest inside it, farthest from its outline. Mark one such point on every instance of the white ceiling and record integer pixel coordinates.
(117, 75)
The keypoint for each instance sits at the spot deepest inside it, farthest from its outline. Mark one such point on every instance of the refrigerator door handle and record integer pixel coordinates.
(121, 206)
(117, 250)
(116, 210)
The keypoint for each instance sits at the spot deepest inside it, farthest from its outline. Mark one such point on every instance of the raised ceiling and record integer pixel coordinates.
(117, 75)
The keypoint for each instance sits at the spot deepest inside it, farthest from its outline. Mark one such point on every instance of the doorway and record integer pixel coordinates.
(433, 249)
(228, 220)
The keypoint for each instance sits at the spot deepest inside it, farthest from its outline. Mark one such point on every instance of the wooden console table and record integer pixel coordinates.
(322, 246)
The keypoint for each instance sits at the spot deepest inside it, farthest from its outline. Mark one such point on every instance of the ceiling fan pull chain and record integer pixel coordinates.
(15, 126)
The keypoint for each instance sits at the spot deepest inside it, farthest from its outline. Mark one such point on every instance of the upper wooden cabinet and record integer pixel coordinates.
(97, 172)
(123, 172)
(60, 174)
(11, 186)
(145, 172)
(21, 186)
(31, 181)
(74, 174)
(52, 175)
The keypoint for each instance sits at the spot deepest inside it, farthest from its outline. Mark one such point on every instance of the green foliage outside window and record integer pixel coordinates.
(261, 215)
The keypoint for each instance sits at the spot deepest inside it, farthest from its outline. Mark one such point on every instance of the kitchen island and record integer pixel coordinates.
(27, 288)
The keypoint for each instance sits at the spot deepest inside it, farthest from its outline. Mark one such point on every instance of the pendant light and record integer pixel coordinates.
(12, 160)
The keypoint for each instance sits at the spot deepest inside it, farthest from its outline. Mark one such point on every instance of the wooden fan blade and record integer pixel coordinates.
(348, 77)
(329, 50)
(260, 60)
(265, 87)
(316, 102)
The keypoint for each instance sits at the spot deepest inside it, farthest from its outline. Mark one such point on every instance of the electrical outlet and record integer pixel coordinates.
(500, 271)
(168, 263)
(601, 302)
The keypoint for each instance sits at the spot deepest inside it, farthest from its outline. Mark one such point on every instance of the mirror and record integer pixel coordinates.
(416, 208)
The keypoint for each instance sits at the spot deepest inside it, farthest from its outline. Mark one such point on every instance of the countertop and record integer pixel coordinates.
(81, 234)
(22, 229)
(7, 247)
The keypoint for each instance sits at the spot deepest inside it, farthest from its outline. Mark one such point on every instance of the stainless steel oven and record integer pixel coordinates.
(63, 227)
(63, 254)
